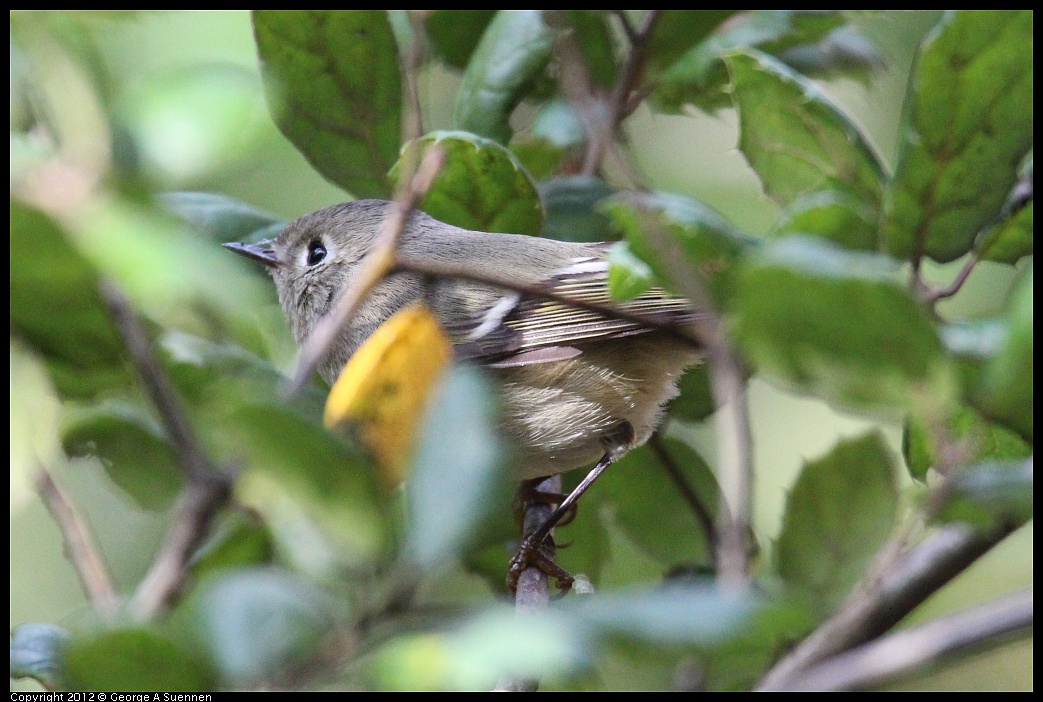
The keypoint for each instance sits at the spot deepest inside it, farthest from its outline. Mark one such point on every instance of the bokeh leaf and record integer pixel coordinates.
(514, 50)
(838, 324)
(458, 466)
(481, 185)
(573, 212)
(333, 86)
(832, 215)
(254, 623)
(240, 539)
(222, 218)
(841, 510)
(36, 652)
(991, 494)
(131, 445)
(134, 659)
(455, 34)
(969, 123)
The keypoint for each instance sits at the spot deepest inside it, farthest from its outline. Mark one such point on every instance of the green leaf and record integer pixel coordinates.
(594, 39)
(513, 52)
(838, 515)
(968, 124)
(455, 34)
(972, 344)
(333, 85)
(991, 494)
(989, 440)
(481, 185)
(222, 218)
(662, 228)
(254, 623)
(133, 659)
(36, 652)
(573, 212)
(832, 215)
(680, 30)
(628, 275)
(795, 139)
(839, 324)
(554, 142)
(240, 539)
(649, 505)
(458, 465)
(131, 445)
(246, 419)
(1011, 240)
(695, 401)
(57, 310)
(691, 613)
(1005, 392)
(808, 40)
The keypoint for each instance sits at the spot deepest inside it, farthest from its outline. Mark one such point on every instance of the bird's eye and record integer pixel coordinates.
(316, 252)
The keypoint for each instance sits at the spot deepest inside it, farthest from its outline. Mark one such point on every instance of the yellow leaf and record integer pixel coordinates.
(387, 384)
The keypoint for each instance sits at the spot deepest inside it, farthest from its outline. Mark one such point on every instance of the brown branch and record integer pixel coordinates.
(377, 263)
(914, 649)
(533, 591)
(702, 513)
(80, 545)
(207, 486)
(878, 606)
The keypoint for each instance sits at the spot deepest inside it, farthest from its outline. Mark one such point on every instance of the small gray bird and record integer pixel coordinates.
(576, 386)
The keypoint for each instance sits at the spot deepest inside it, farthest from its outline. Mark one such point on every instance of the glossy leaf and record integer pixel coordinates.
(254, 623)
(1011, 240)
(969, 122)
(628, 275)
(838, 324)
(481, 185)
(840, 511)
(458, 465)
(514, 50)
(134, 659)
(1005, 393)
(222, 218)
(131, 445)
(795, 138)
(333, 85)
(36, 653)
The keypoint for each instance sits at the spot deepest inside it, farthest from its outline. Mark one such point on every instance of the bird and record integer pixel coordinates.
(582, 379)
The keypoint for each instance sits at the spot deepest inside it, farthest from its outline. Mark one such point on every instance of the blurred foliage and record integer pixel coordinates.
(126, 169)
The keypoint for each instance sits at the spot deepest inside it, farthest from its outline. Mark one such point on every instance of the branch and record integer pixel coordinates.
(207, 487)
(377, 263)
(914, 649)
(80, 545)
(915, 575)
(533, 592)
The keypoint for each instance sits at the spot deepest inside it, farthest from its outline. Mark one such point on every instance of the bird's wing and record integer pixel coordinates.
(523, 329)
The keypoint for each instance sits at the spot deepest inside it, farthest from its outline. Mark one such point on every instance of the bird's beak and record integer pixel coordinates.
(261, 251)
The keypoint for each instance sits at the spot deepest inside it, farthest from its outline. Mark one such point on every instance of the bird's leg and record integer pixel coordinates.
(530, 553)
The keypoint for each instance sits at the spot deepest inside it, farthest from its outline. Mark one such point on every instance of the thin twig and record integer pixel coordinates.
(533, 591)
(914, 649)
(932, 295)
(463, 272)
(873, 610)
(207, 486)
(411, 61)
(80, 545)
(377, 263)
(628, 28)
(702, 513)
